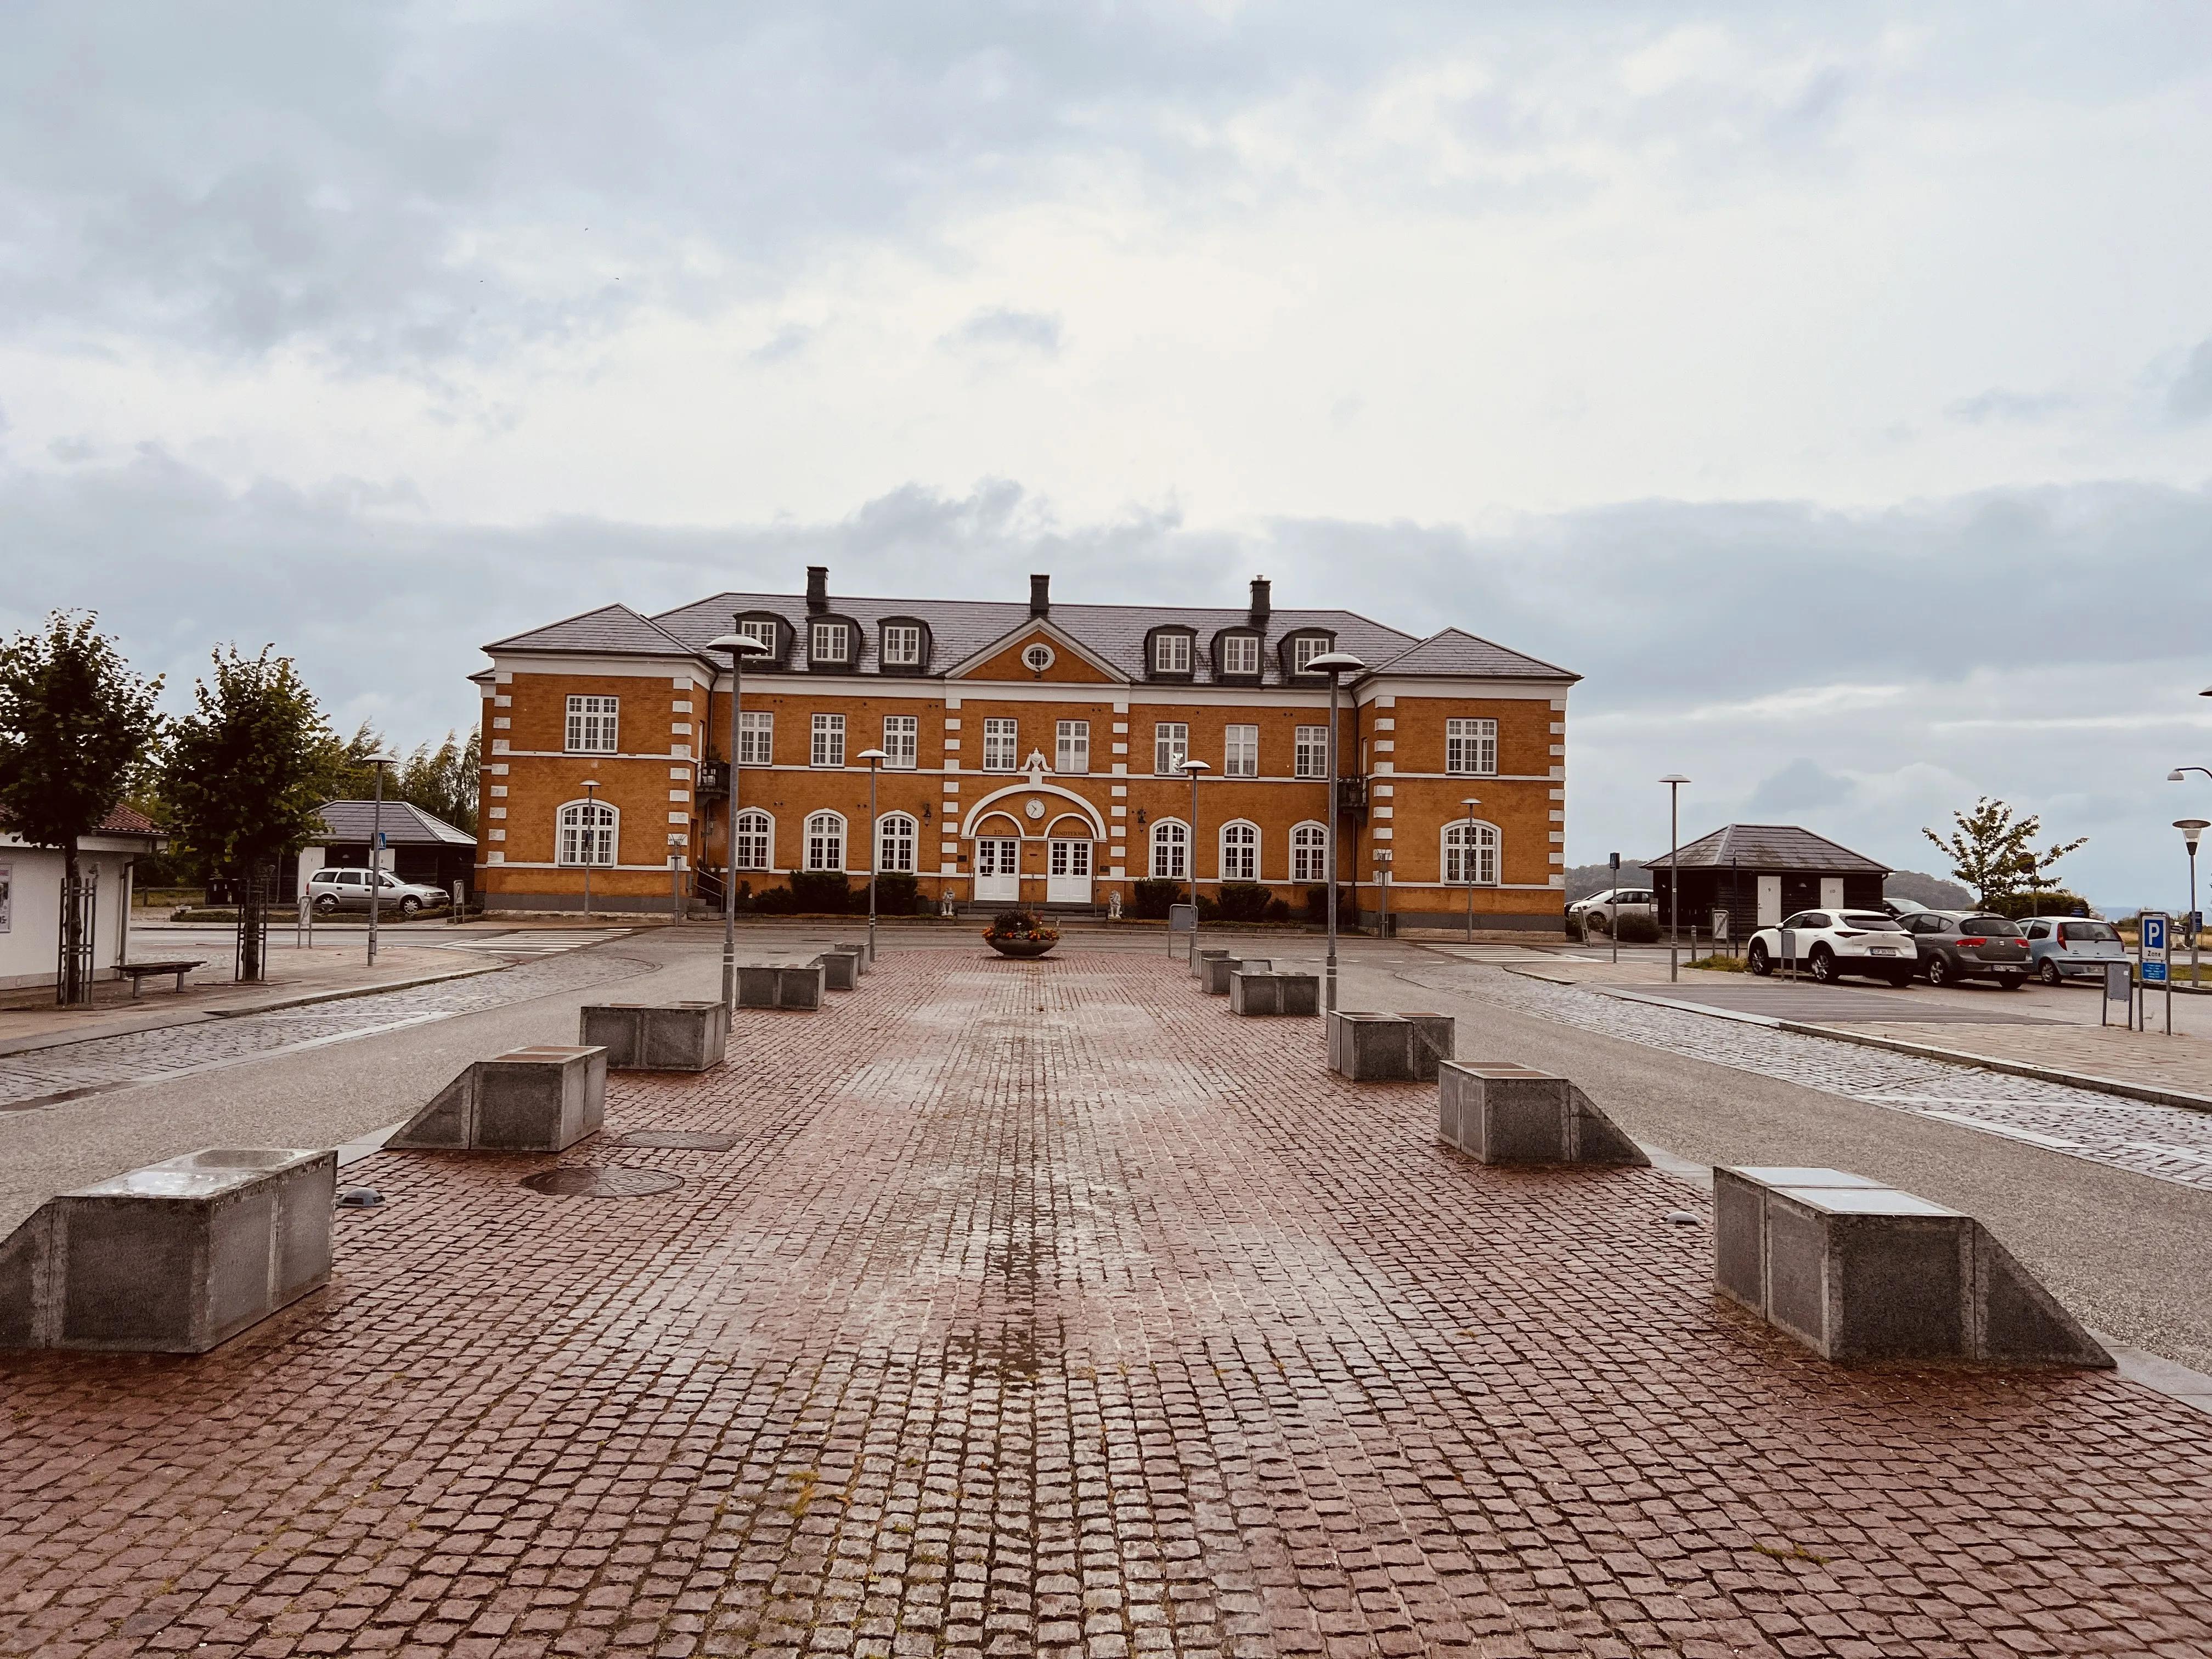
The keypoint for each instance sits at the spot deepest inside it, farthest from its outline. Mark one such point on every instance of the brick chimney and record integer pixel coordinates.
(1262, 601)
(817, 588)
(1040, 595)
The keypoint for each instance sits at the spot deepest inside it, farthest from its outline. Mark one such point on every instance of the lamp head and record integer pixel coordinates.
(738, 645)
(1673, 777)
(1470, 800)
(1194, 767)
(1334, 662)
(872, 756)
(2191, 828)
(2174, 776)
(589, 783)
(380, 759)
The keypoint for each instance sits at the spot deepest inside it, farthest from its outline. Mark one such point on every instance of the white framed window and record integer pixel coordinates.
(1171, 653)
(756, 840)
(828, 746)
(592, 725)
(760, 630)
(1240, 852)
(1001, 746)
(1240, 653)
(756, 738)
(830, 642)
(1471, 748)
(1072, 746)
(1309, 853)
(1038, 656)
(1312, 751)
(1171, 746)
(901, 740)
(825, 841)
(1306, 648)
(901, 645)
(1239, 752)
(1171, 850)
(1471, 853)
(588, 833)
(896, 836)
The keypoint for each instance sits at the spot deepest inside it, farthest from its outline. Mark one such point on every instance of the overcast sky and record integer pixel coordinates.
(1831, 387)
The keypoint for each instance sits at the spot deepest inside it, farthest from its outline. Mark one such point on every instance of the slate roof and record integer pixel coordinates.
(959, 628)
(348, 823)
(120, 821)
(1771, 846)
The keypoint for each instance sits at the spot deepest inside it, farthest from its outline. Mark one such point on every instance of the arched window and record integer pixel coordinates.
(1310, 853)
(1471, 853)
(895, 838)
(1240, 852)
(588, 833)
(755, 834)
(825, 841)
(1171, 850)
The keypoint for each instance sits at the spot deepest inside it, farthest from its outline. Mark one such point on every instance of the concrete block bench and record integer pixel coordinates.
(840, 969)
(1858, 1271)
(1214, 971)
(760, 987)
(543, 1099)
(860, 951)
(1497, 1112)
(1253, 993)
(671, 1036)
(1199, 961)
(1388, 1047)
(174, 1258)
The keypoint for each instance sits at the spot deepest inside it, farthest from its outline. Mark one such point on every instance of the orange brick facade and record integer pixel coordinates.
(1031, 780)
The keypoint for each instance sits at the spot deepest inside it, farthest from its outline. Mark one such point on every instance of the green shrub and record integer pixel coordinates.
(1638, 930)
(1242, 901)
(824, 893)
(1277, 910)
(769, 901)
(1153, 897)
(1347, 907)
(2052, 902)
(898, 895)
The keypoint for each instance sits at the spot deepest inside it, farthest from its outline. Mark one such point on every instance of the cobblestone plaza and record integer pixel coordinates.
(1046, 1308)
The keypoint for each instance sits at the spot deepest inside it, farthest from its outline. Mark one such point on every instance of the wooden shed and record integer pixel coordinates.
(1761, 872)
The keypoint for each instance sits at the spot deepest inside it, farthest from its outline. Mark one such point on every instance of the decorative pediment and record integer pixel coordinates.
(1038, 651)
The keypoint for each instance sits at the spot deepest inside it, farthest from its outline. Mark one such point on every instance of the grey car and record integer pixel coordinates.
(2072, 947)
(1956, 944)
(349, 890)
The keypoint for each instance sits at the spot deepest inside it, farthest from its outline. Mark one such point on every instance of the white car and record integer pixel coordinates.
(1615, 901)
(1828, 944)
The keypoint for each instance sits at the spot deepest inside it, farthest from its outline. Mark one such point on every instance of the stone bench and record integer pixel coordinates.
(767, 987)
(861, 951)
(1858, 1271)
(1497, 1112)
(1200, 959)
(1214, 971)
(669, 1037)
(1388, 1047)
(543, 1099)
(840, 969)
(1274, 993)
(174, 1258)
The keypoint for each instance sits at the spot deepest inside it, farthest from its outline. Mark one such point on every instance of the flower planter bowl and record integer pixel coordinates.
(1020, 947)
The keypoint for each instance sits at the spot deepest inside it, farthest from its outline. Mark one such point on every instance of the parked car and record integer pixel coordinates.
(1616, 901)
(349, 890)
(2060, 948)
(1828, 944)
(1956, 944)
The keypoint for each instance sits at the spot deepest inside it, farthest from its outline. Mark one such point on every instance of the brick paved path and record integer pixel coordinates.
(1047, 1308)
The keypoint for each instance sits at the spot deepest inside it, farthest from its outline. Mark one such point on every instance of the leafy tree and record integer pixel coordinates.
(1989, 850)
(76, 724)
(248, 768)
(443, 780)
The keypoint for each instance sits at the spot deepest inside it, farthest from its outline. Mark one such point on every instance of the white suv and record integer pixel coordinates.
(1614, 901)
(1828, 944)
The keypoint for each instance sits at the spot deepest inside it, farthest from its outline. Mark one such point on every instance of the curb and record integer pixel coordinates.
(2103, 1085)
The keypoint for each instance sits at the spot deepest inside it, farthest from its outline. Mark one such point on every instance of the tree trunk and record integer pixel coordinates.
(72, 984)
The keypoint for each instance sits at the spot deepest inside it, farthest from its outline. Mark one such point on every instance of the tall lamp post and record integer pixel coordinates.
(1674, 780)
(1466, 864)
(2191, 829)
(376, 849)
(875, 758)
(740, 645)
(590, 838)
(1193, 767)
(1335, 665)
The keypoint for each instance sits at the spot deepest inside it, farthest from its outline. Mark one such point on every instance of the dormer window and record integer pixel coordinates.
(829, 645)
(1300, 649)
(769, 629)
(902, 645)
(1171, 653)
(761, 630)
(1240, 656)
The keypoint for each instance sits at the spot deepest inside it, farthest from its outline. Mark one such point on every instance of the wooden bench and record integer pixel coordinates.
(138, 972)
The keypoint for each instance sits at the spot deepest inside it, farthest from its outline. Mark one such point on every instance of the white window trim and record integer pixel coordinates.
(913, 840)
(768, 840)
(612, 826)
(1320, 853)
(808, 834)
(1010, 737)
(1228, 761)
(1496, 849)
(1152, 841)
(1221, 850)
(1163, 646)
(763, 726)
(882, 645)
(814, 632)
(1174, 771)
(1478, 740)
(1062, 740)
(824, 726)
(1233, 645)
(1319, 749)
(906, 753)
(580, 721)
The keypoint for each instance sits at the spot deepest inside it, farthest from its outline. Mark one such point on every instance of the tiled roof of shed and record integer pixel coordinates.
(1771, 846)
(611, 628)
(348, 823)
(1454, 651)
(120, 821)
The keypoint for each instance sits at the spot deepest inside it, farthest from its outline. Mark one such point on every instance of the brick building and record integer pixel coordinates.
(1034, 753)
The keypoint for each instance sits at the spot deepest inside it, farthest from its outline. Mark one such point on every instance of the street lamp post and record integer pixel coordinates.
(590, 838)
(1193, 767)
(1335, 665)
(1674, 780)
(376, 850)
(875, 758)
(740, 645)
(1466, 864)
(2191, 829)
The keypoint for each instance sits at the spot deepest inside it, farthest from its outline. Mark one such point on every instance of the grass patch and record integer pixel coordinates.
(1720, 964)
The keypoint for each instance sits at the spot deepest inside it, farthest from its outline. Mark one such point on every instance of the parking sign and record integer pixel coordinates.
(2154, 947)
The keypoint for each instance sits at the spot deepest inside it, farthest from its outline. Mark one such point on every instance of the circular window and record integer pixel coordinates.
(1037, 658)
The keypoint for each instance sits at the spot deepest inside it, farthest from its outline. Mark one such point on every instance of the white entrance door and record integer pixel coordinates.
(998, 870)
(1832, 892)
(1068, 873)
(1770, 901)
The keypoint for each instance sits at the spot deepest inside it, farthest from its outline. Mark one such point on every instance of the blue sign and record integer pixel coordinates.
(2153, 934)
(379, 841)
(2154, 973)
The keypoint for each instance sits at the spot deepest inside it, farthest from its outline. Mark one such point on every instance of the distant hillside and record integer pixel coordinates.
(1587, 878)
(1933, 891)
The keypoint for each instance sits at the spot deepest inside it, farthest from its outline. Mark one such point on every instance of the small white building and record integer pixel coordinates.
(31, 897)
